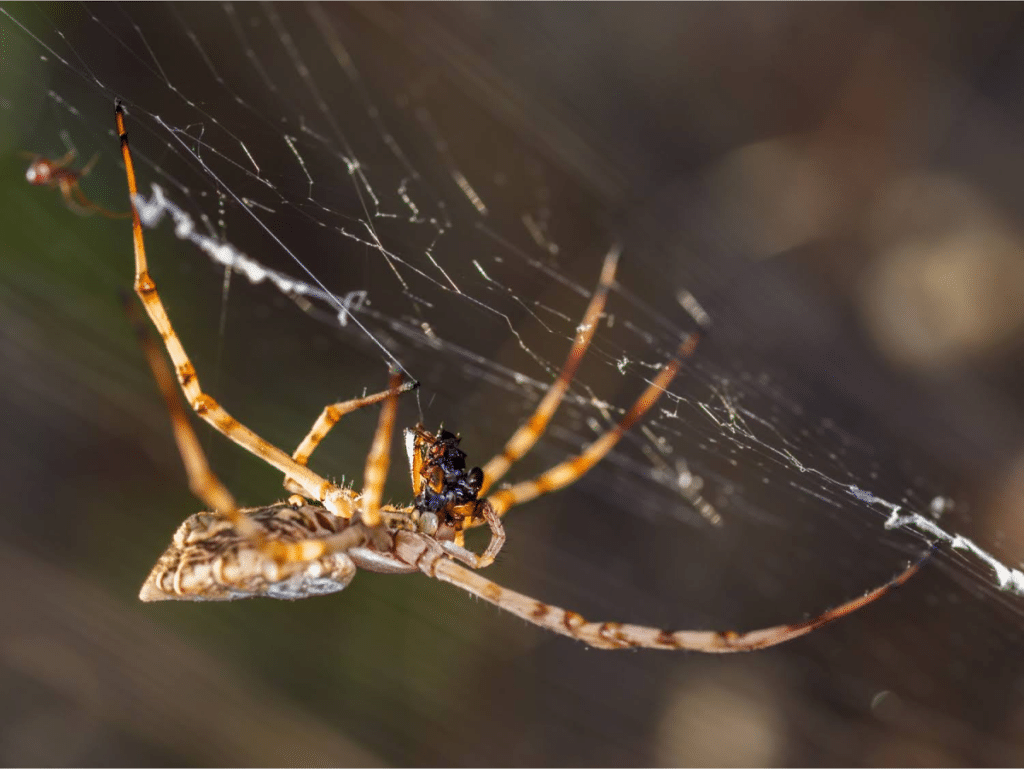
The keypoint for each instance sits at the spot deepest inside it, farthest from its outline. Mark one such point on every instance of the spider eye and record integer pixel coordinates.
(475, 479)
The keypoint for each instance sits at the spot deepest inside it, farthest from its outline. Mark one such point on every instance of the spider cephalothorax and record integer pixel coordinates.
(440, 480)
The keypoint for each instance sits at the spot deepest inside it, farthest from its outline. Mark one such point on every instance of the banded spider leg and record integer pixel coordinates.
(297, 549)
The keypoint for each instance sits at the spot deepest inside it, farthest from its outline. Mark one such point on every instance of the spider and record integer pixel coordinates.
(43, 172)
(314, 543)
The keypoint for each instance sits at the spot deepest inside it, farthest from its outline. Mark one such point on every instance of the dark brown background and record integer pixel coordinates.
(839, 185)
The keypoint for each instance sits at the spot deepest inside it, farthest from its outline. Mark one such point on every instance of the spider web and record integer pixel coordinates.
(332, 190)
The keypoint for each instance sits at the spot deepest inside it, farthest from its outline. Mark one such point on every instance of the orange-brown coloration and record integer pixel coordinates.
(325, 489)
(605, 635)
(57, 174)
(667, 639)
(568, 471)
(526, 436)
(329, 417)
(186, 374)
(204, 405)
(297, 549)
(492, 592)
(573, 621)
(612, 632)
(379, 456)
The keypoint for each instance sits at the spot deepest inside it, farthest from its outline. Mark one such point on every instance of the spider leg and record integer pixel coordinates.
(379, 457)
(338, 500)
(201, 479)
(66, 160)
(204, 483)
(330, 416)
(458, 552)
(530, 431)
(88, 166)
(71, 193)
(572, 469)
(80, 204)
(615, 635)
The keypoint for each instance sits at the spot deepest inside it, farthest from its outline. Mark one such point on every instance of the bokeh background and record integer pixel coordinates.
(838, 185)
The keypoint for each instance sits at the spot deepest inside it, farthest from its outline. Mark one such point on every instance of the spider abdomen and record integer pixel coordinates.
(209, 561)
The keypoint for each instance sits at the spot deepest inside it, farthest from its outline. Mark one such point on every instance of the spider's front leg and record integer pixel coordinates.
(573, 468)
(335, 498)
(328, 418)
(468, 557)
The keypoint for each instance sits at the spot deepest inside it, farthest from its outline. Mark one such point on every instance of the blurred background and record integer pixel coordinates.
(835, 186)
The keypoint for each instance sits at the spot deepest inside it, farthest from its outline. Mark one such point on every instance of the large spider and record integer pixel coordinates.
(300, 547)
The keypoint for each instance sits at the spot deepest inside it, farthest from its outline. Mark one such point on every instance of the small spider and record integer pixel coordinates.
(314, 543)
(43, 172)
